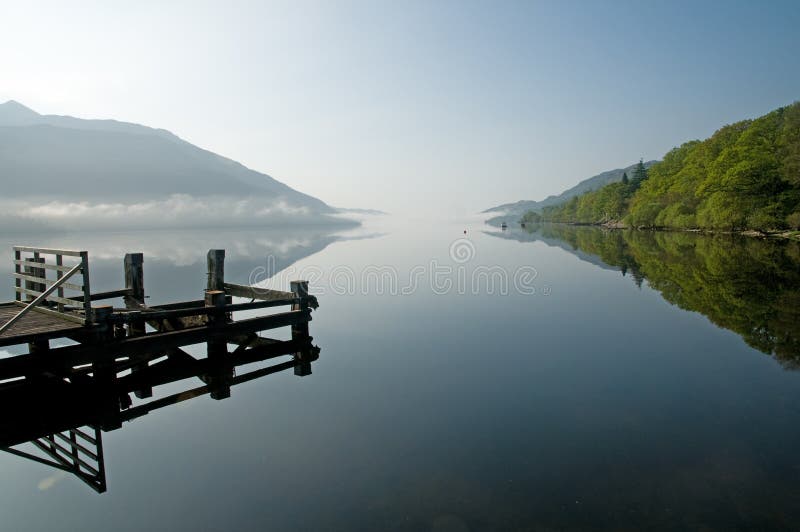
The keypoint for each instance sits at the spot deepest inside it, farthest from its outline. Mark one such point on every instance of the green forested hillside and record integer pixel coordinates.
(587, 185)
(745, 176)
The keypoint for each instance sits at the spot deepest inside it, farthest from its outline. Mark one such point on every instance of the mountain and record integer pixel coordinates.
(66, 159)
(519, 208)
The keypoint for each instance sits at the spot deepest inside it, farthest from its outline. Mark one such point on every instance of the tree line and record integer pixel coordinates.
(744, 177)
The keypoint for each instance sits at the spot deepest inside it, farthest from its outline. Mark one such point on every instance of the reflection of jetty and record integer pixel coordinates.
(58, 392)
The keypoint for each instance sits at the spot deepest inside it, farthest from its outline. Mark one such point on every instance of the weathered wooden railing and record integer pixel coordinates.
(34, 290)
(37, 288)
(32, 305)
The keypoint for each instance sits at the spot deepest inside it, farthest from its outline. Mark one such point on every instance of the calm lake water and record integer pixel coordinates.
(487, 381)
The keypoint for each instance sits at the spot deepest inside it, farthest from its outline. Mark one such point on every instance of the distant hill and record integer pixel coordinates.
(519, 208)
(46, 157)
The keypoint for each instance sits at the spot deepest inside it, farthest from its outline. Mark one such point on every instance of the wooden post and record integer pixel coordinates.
(18, 269)
(217, 299)
(39, 348)
(134, 275)
(302, 366)
(300, 290)
(33, 271)
(216, 269)
(220, 375)
(87, 300)
(300, 330)
(59, 275)
(104, 370)
(134, 281)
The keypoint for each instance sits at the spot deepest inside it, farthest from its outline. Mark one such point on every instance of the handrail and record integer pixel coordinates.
(75, 269)
(49, 251)
(34, 275)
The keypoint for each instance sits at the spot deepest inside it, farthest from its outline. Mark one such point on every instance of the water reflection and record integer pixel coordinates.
(176, 259)
(747, 285)
(59, 421)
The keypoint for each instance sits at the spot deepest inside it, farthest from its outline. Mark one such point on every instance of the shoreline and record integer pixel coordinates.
(785, 234)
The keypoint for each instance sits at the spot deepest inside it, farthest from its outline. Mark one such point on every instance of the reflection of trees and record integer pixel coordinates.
(747, 285)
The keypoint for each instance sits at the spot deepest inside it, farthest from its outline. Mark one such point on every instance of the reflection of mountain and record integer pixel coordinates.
(58, 420)
(746, 285)
(176, 260)
(535, 234)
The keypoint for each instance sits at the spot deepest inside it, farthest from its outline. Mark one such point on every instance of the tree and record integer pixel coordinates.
(640, 172)
(625, 179)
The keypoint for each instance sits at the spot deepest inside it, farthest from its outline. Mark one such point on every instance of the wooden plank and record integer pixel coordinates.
(156, 313)
(139, 411)
(181, 304)
(36, 273)
(257, 374)
(48, 282)
(55, 447)
(50, 297)
(85, 436)
(34, 326)
(182, 366)
(49, 251)
(99, 296)
(254, 292)
(37, 459)
(41, 297)
(78, 446)
(46, 266)
(74, 355)
(142, 410)
(13, 337)
(72, 318)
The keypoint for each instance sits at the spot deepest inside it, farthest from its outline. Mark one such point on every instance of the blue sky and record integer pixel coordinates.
(410, 106)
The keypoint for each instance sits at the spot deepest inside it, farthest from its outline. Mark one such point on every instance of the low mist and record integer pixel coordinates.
(178, 211)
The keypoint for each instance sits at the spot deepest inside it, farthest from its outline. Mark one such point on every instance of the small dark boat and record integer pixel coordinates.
(503, 225)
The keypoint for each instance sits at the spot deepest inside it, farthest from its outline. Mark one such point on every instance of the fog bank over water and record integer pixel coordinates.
(175, 212)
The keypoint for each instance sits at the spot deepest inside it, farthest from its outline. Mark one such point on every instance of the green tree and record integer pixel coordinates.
(625, 179)
(640, 172)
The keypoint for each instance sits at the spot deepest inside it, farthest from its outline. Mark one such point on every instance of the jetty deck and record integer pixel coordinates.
(32, 326)
(50, 305)
(65, 395)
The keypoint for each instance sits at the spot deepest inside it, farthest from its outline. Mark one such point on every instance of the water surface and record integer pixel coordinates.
(578, 399)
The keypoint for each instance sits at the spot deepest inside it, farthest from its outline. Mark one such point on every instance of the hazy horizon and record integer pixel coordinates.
(434, 107)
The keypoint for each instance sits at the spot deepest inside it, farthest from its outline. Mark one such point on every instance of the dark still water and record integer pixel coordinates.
(486, 381)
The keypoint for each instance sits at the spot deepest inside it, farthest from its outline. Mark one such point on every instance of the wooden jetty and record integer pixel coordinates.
(60, 423)
(64, 396)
